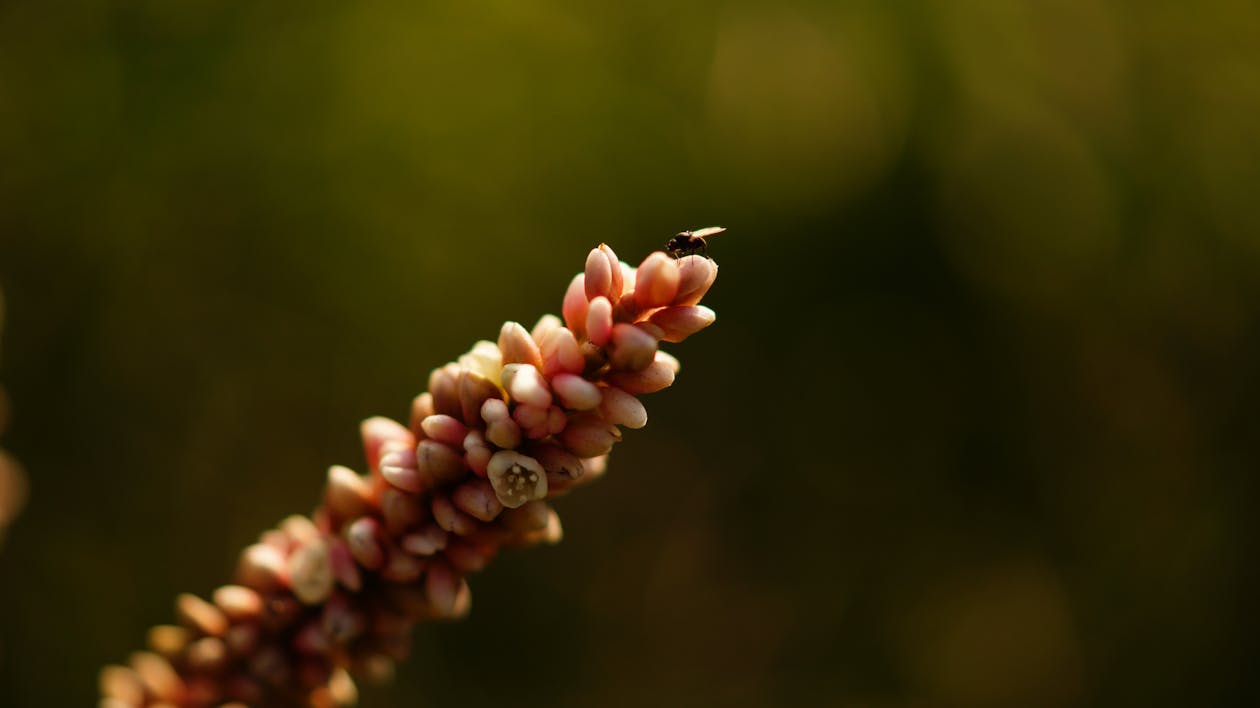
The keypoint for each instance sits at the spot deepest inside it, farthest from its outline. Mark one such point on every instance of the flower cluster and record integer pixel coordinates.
(508, 426)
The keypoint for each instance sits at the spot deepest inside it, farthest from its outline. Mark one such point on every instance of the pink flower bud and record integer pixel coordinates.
(401, 567)
(575, 392)
(495, 409)
(347, 495)
(378, 431)
(599, 321)
(557, 460)
(550, 534)
(121, 685)
(654, 378)
(262, 567)
(679, 322)
(656, 282)
(530, 416)
(310, 573)
(364, 539)
(575, 305)
(561, 353)
(426, 541)
(474, 391)
(631, 349)
(526, 386)
(556, 420)
(207, 655)
(401, 510)
(628, 277)
(238, 602)
(438, 463)
(169, 640)
(588, 435)
(595, 466)
(696, 275)
(444, 429)
(299, 529)
(476, 498)
(158, 677)
(599, 276)
(543, 327)
(444, 385)
(516, 478)
(400, 467)
(530, 516)
(518, 346)
(621, 408)
(421, 408)
(668, 360)
(657, 333)
(478, 452)
(441, 587)
(451, 519)
(618, 278)
(195, 613)
(505, 434)
(344, 567)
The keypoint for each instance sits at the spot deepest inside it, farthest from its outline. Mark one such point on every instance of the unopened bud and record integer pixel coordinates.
(632, 348)
(344, 567)
(696, 275)
(557, 460)
(444, 429)
(575, 392)
(239, 603)
(426, 541)
(526, 385)
(659, 375)
(678, 323)
(599, 276)
(575, 305)
(364, 539)
(476, 498)
(379, 430)
(195, 613)
(599, 321)
(400, 467)
(475, 390)
(621, 408)
(262, 567)
(588, 435)
(450, 518)
(310, 573)
(347, 495)
(438, 463)
(561, 353)
(444, 385)
(518, 346)
(157, 675)
(656, 281)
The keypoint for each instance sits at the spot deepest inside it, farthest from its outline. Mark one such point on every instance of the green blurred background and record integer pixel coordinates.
(976, 426)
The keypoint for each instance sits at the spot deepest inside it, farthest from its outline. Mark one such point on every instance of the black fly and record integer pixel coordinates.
(689, 243)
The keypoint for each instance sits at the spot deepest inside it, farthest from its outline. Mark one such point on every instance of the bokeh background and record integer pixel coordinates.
(977, 424)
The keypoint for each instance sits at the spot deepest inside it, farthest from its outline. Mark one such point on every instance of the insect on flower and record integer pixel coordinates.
(687, 243)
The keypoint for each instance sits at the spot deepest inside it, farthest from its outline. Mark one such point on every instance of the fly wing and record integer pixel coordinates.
(708, 231)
